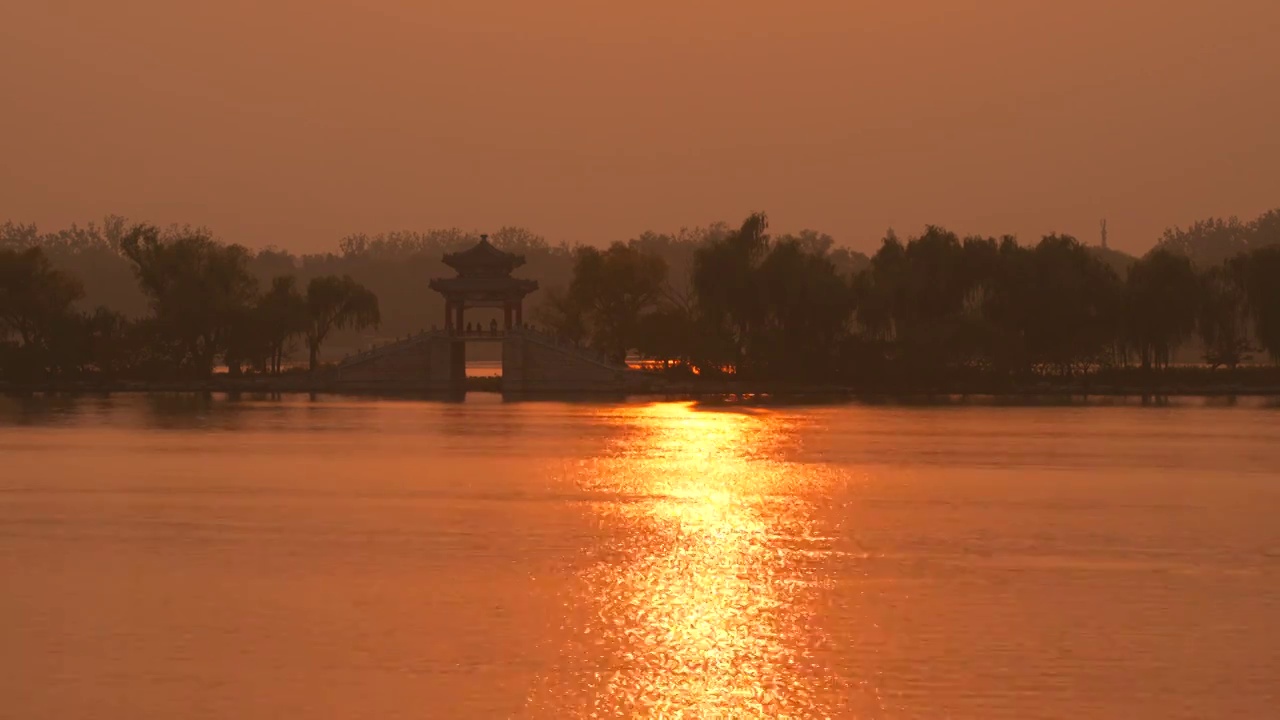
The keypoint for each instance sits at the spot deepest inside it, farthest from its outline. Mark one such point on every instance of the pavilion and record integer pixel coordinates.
(532, 362)
(483, 281)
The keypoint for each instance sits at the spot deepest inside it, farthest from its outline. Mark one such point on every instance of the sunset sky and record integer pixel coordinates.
(295, 122)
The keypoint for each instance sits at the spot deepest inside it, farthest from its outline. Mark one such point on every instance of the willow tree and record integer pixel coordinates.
(807, 309)
(922, 300)
(728, 297)
(337, 302)
(1161, 303)
(1056, 304)
(1223, 317)
(1263, 292)
(282, 315)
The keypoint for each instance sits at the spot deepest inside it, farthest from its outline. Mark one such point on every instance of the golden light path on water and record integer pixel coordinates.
(702, 604)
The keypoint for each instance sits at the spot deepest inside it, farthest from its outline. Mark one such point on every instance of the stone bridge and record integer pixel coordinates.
(435, 361)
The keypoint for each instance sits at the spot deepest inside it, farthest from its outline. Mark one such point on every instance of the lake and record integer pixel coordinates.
(206, 557)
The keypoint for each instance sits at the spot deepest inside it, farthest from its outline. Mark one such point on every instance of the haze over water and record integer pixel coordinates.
(176, 556)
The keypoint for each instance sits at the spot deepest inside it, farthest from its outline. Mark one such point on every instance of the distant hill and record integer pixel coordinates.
(1118, 261)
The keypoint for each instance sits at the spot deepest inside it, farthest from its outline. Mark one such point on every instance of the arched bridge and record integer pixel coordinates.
(532, 362)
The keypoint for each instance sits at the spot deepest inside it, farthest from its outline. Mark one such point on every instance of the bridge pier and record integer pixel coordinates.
(512, 365)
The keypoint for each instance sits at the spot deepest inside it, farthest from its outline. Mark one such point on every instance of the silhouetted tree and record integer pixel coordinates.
(765, 307)
(677, 251)
(337, 302)
(199, 289)
(934, 309)
(667, 334)
(1223, 320)
(246, 343)
(1160, 306)
(846, 262)
(613, 289)
(34, 297)
(880, 290)
(936, 282)
(282, 316)
(1209, 243)
(728, 297)
(924, 299)
(112, 342)
(807, 307)
(91, 254)
(1056, 304)
(1265, 230)
(561, 316)
(1262, 282)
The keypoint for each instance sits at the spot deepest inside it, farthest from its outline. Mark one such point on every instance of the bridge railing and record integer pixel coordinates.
(379, 349)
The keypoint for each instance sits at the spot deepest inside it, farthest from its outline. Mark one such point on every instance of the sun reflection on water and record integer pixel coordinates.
(701, 605)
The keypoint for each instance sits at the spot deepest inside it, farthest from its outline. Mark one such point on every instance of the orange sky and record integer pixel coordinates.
(294, 122)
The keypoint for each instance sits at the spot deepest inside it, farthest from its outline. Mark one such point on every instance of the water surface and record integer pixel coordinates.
(195, 557)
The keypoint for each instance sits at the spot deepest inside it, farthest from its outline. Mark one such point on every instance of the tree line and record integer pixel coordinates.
(205, 307)
(933, 308)
(137, 301)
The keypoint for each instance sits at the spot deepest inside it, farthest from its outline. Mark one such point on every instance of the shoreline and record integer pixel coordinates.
(656, 388)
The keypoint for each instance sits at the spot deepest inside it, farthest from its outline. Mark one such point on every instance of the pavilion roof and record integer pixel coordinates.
(483, 259)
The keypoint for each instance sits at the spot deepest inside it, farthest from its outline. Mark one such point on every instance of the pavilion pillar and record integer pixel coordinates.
(520, 313)
(506, 316)
(448, 317)
(457, 321)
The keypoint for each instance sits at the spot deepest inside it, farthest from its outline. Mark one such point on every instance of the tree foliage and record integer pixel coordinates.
(1057, 303)
(336, 302)
(730, 304)
(805, 311)
(35, 298)
(282, 316)
(1211, 242)
(1262, 287)
(612, 290)
(1160, 306)
(1223, 321)
(200, 290)
(924, 310)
